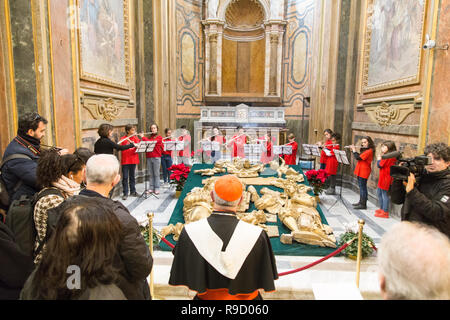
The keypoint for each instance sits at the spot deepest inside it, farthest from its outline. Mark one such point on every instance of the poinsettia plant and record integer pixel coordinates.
(179, 175)
(316, 179)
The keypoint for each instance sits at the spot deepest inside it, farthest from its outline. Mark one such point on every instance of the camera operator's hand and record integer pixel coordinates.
(410, 184)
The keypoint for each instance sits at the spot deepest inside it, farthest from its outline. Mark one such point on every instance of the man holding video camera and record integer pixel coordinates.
(425, 191)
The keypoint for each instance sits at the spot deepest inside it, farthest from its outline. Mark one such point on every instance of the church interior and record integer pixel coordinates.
(360, 68)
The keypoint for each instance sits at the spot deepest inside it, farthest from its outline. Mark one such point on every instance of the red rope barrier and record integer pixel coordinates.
(167, 242)
(318, 261)
(295, 270)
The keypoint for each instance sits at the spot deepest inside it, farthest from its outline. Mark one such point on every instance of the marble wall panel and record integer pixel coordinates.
(297, 55)
(23, 51)
(4, 130)
(62, 74)
(257, 62)
(243, 67)
(439, 121)
(190, 57)
(229, 66)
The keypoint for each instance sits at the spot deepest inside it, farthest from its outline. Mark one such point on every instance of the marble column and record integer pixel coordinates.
(213, 49)
(213, 64)
(273, 65)
(274, 49)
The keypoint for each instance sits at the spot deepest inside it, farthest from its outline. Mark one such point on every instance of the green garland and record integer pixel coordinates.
(144, 231)
(352, 249)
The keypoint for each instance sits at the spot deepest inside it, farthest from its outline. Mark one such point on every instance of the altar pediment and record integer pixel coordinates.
(242, 113)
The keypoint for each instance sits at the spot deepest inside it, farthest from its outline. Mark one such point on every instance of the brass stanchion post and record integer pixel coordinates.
(359, 256)
(150, 236)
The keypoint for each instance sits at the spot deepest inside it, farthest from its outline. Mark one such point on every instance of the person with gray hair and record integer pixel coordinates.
(414, 261)
(133, 259)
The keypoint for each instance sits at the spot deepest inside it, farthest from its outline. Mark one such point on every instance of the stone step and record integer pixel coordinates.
(297, 286)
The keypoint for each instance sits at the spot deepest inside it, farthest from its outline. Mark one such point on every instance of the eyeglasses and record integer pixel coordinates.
(36, 116)
(78, 159)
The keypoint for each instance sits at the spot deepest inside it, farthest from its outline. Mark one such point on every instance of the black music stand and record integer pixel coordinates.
(341, 157)
(282, 150)
(173, 145)
(144, 147)
(312, 150)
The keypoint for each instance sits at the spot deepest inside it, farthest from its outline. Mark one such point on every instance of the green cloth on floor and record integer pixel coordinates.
(294, 249)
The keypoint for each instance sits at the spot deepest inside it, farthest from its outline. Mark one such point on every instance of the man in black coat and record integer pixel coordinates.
(19, 174)
(428, 200)
(221, 257)
(133, 259)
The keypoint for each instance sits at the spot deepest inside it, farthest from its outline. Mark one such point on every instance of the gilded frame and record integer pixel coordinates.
(99, 78)
(416, 47)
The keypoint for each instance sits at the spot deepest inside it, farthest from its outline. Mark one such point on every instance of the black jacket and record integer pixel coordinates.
(133, 260)
(15, 266)
(106, 145)
(21, 169)
(429, 202)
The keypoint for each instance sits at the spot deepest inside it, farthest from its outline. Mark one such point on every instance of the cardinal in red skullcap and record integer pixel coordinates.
(221, 257)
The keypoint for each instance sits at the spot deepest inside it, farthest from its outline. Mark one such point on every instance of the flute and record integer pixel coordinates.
(353, 146)
(237, 137)
(51, 147)
(330, 145)
(128, 138)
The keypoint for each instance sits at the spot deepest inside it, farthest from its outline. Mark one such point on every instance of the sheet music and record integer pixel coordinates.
(341, 156)
(287, 149)
(146, 146)
(327, 152)
(278, 150)
(210, 146)
(307, 149)
(315, 150)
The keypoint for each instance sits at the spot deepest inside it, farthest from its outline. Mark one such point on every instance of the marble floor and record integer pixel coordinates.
(339, 272)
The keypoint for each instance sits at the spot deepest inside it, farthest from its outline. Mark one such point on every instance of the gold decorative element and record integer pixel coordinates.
(386, 114)
(104, 109)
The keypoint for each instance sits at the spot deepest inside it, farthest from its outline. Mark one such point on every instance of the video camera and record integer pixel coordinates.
(414, 165)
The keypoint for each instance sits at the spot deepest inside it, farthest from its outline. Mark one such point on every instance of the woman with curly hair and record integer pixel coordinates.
(78, 264)
(60, 178)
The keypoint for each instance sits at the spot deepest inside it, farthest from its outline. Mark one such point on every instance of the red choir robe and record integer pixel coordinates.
(331, 161)
(323, 156)
(385, 179)
(129, 156)
(157, 150)
(291, 158)
(238, 146)
(364, 167)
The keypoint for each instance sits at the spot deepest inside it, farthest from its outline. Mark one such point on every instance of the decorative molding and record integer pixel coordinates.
(387, 114)
(94, 124)
(416, 96)
(107, 109)
(409, 130)
(244, 38)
